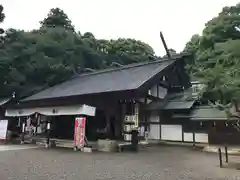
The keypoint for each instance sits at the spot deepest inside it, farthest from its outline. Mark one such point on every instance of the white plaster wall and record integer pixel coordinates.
(153, 91)
(142, 131)
(201, 137)
(154, 132)
(188, 137)
(161, 91)
(171, 132)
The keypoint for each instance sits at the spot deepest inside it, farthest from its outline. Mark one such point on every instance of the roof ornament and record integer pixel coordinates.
(165, 46)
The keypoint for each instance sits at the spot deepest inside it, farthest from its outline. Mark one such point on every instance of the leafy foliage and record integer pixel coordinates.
(31, 61)
(216, 56)
(57, 18)
(2, 16)
(126, 51)
(217, 60)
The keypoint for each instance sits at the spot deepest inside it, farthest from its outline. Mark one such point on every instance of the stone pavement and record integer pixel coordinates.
(232, 150)
(152, 163)
(12, 147)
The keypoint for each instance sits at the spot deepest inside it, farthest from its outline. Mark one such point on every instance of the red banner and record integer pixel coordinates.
(79, 132)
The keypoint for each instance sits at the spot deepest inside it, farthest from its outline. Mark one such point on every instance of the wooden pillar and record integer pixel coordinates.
(123, 114)
(160, 127)
(226, 154)
(182, 133)
(194, 137)
(118, 121)
(108, 124)
(134, 140)
(220, 157)
(39, 124)
(38, 117)
(145, 117)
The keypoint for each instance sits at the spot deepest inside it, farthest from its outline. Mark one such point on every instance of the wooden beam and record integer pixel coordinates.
(145, 116)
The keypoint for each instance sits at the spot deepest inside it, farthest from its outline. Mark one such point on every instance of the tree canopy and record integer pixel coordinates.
(2, 17)
(216, 57)
(57, 18)
(37, 59)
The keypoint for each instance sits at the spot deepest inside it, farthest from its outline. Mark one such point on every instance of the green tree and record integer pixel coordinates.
(2, 17)
(217, 59)
(222, 27)
(3, 64)
(57, 18)
(37, 59)
(218, 30)
(126, 51)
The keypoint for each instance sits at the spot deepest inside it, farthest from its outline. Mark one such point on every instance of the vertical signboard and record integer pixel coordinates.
(82, 131)
(79, 132)
(3, 129)
(136, 113)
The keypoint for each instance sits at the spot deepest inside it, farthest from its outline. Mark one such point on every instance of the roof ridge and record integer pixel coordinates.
(131, 66)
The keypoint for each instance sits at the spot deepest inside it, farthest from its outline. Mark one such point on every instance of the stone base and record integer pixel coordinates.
(107, 145)
(87, 149)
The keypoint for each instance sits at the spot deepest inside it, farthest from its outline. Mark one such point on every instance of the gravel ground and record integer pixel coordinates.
(166, 163)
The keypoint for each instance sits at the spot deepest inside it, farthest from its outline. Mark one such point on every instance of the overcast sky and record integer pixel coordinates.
(139, 19)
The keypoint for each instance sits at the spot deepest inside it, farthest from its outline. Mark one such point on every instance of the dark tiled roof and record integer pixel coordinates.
(118, 79)
(208, 113)
(170, 105)
(175, 101)
(205, 113)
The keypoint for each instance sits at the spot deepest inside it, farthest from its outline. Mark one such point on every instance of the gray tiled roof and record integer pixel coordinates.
(205, 113)
(174, 105)
(208, 113)
(174, 101)
(119, 79)
(170, 105)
